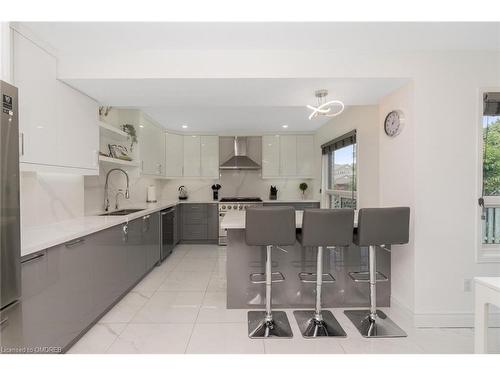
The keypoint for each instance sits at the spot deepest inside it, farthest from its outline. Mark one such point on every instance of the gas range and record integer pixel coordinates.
(238, 203)
(229, 204)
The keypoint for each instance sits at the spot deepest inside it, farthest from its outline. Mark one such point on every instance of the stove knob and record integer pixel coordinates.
(240, 207)
(234, 207)
(228, 207)
(223, 207)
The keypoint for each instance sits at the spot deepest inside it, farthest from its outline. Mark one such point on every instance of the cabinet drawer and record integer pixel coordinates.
(194, 232)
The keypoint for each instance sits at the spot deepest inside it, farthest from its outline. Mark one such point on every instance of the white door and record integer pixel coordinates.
(209, 153)
(35, 77)
(305, 156)
(270, 156)
(192, 165)
(288, 155)
(78, 130)
(174, 155)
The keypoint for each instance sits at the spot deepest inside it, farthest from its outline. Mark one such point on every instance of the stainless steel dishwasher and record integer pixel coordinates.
(168, 230)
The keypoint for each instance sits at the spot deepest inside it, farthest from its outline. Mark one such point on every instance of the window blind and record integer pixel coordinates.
(335, 144)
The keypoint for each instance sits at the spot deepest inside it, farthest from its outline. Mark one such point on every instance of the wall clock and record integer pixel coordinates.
(394, 122)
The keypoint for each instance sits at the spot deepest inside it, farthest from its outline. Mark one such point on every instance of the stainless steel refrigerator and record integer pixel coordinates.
(10, 233)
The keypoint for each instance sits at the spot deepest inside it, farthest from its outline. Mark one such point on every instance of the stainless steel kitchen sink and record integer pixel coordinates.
(122, 212)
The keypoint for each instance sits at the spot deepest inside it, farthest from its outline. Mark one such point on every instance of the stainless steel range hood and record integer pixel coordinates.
(240, 160)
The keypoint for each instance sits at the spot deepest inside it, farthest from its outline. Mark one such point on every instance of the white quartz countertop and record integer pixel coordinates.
(236, 219)
(41, 237)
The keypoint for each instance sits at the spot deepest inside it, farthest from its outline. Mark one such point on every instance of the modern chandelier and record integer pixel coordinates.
(326, 108)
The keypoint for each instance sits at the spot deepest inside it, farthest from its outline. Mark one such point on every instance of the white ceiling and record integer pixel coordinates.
(248, 105)
(94, 37)
(228, 105)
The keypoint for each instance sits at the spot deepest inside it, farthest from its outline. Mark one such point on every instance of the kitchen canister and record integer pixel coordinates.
(151, 198)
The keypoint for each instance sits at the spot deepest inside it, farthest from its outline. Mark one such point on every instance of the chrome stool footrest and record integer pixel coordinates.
(364, 277)
(310, 327)
(260, 277)
(310, 277)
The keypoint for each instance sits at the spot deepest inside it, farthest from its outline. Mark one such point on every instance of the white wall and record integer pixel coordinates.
(397, 188)
(365, 120)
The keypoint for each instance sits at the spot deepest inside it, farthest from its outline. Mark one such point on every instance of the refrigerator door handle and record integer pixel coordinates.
(22, 143)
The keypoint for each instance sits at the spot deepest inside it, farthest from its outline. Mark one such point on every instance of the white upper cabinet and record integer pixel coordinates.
(78, 135)
(270, 156)
(174, 155)
(287, 156)
(35, 77)
(209, 153)
(305, 156)
(151, 147)
(58, 125)
(192, 156)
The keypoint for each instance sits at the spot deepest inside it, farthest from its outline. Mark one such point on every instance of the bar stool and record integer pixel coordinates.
(269, 226)
(378, 227)
(320, 228)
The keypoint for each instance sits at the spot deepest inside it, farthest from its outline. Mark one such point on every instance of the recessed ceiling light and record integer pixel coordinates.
(184, 126)
(141, 126)
(284, 126)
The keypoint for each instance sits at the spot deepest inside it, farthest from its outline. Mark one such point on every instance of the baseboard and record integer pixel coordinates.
(438, 319)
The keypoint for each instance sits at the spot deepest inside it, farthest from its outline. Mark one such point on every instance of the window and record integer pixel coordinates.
(339, 172)
(490, 178)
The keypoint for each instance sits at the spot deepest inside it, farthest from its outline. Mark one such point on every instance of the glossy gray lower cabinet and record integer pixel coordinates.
(297, 205)
(66, 288)
(212, 221)
(200, 222)
(151, 239)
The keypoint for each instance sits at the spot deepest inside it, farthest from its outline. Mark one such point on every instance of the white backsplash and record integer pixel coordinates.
(238, 183)
(94, 189)
(48, 198)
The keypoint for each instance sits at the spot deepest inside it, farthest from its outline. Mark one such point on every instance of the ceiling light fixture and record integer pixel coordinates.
(284, 126)
(324, 107)
(184, 126)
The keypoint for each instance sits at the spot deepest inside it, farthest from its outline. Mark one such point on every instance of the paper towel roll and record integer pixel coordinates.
(151, 194)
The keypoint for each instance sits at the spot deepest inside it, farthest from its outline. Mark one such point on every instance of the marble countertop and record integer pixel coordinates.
(41, 237)
(236, 220)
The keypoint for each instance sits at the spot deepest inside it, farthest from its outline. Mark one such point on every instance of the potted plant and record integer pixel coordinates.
(303, 187)
(130, 130)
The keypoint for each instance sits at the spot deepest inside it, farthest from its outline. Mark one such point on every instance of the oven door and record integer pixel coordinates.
(222, 232)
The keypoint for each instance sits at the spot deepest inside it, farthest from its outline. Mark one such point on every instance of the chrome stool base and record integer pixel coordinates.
(312, 328)
(258, 328)
(383, 326)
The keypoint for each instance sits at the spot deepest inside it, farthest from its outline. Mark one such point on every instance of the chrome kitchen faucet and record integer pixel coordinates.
(106, 192)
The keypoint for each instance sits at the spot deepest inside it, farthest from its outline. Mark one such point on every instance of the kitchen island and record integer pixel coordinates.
(242, 260)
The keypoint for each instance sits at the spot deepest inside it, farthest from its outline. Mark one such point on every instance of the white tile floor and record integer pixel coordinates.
(180, 308)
